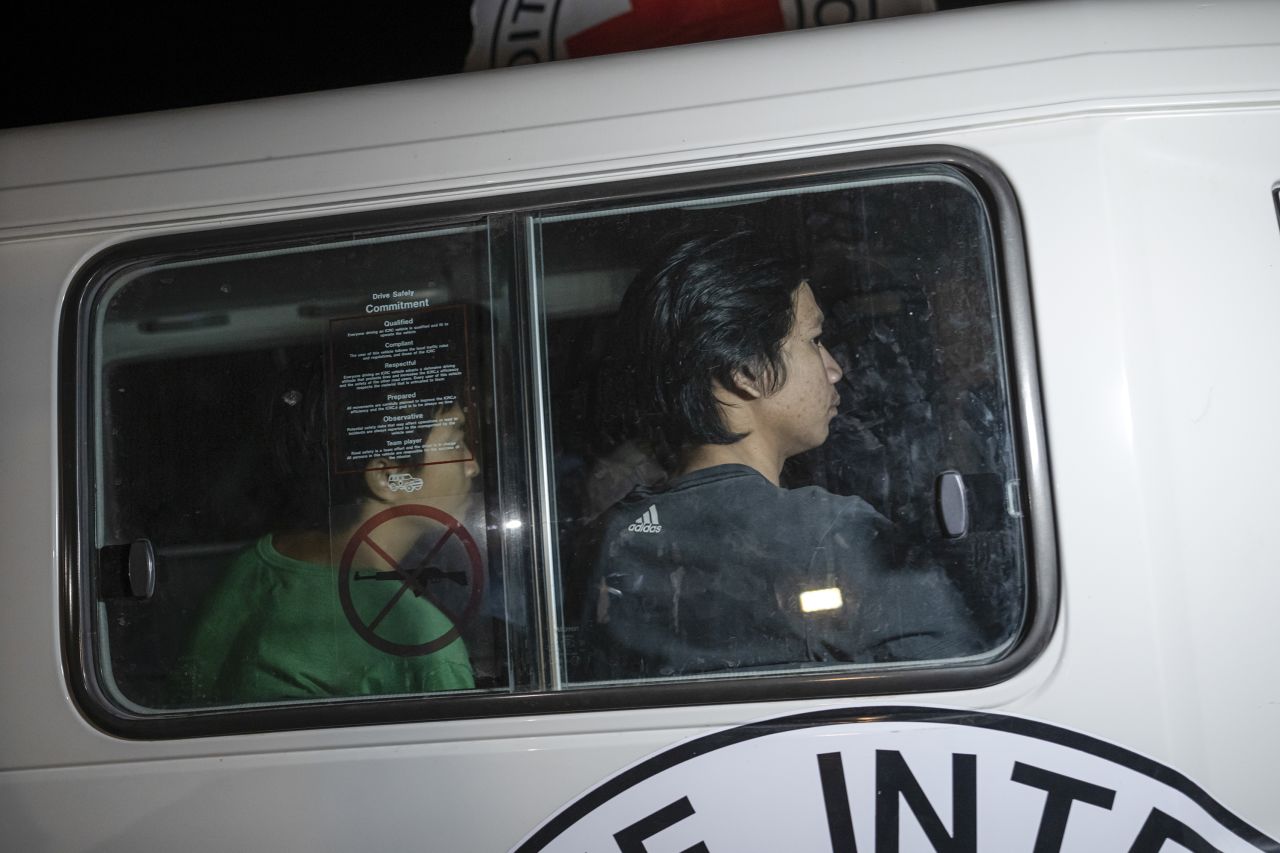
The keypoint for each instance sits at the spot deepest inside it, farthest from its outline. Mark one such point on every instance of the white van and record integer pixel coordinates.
(1045, 237)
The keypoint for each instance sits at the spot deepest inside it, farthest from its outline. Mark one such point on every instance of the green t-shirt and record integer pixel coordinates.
(275, 630)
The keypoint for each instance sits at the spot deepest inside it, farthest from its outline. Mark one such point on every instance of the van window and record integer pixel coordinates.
(326, 470)
(293, 453)
(896, 538)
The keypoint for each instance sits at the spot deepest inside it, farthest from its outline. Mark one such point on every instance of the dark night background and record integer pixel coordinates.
(63, 65)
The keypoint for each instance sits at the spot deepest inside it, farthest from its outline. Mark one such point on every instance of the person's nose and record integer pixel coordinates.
(471, 468)
(834, 373)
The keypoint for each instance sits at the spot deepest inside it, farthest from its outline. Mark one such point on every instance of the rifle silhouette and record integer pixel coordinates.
(414, 577)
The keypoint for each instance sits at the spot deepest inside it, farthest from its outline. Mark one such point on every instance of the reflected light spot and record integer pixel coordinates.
(821, 599)
(513, 524)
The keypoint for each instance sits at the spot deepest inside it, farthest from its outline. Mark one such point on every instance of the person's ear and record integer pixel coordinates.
(377, 479)
(746, 386)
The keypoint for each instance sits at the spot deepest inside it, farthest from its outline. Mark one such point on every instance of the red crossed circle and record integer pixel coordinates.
(410, 581)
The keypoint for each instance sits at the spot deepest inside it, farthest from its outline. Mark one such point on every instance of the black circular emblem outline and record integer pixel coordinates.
(453, 527)
(689, 750)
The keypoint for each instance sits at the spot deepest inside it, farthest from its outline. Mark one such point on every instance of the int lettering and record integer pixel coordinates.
(896, 785)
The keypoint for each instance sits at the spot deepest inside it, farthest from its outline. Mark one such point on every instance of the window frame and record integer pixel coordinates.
(525, 461)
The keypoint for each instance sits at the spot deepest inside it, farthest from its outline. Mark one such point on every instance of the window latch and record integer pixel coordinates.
(142, 569)
(127, 571)
(952, 504)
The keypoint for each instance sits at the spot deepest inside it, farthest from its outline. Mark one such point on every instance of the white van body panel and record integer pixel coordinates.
(1144, 149)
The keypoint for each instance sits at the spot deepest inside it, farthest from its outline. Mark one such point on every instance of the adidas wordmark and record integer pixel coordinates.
(647, 523)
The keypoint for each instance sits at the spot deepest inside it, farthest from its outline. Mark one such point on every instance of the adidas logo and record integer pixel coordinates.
(647, 523)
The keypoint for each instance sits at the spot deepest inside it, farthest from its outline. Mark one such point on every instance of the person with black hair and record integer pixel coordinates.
(275, 628)
(719, 363)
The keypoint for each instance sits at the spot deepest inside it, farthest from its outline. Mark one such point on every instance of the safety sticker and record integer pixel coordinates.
(387, 619)
(393, 374)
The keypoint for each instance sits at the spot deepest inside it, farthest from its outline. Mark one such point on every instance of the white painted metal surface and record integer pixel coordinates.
(1144, 147)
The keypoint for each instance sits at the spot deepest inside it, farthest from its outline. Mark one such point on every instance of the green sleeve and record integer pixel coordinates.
(448, 669)
(222, 620)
